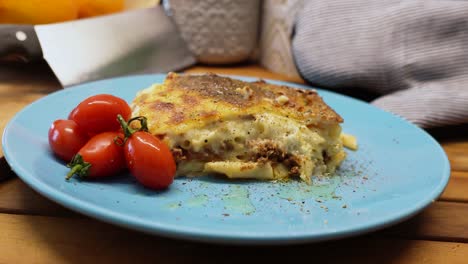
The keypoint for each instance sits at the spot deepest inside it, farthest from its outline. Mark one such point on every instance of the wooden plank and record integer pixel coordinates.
(36, 239)
(5, 171)
(442, 221)
(17, 198)
(457, 152)
(457, 188)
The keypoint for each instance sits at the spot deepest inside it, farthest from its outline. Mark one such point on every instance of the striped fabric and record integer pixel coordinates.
(413, 53)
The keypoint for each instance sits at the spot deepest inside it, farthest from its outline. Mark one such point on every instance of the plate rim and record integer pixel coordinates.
(175, 231)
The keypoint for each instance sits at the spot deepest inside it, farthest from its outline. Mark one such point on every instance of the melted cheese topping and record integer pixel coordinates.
(242, 130)
(183, 103)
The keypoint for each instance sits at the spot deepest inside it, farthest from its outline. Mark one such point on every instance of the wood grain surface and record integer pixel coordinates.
(37, 230)
(39, 239)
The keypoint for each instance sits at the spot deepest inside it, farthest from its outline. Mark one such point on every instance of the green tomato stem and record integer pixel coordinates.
(75, 169)
(128, 131)
(78, 167)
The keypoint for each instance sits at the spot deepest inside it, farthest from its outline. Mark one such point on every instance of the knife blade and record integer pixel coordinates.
(132, 42)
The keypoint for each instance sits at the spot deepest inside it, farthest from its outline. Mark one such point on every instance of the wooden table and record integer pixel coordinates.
(34, 229)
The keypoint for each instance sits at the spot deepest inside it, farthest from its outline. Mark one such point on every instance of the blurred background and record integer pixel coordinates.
(407, 57)
(217, 32)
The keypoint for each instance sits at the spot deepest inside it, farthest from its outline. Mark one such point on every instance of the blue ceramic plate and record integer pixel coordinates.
(397, 171)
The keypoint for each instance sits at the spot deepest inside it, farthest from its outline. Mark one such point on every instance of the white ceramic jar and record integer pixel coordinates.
(218, 31)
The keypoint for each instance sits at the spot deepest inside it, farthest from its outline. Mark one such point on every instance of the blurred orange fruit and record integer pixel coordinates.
(37, 11)
(90, 8)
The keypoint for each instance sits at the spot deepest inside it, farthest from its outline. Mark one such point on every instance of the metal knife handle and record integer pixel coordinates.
(19, 42)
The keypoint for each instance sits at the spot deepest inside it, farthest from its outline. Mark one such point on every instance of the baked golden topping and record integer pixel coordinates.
(242, 129)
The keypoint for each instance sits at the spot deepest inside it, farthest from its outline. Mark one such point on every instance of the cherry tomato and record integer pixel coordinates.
(72, 113)
(98, 113)
(148, 158)
(66, 139)
(100, 157)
